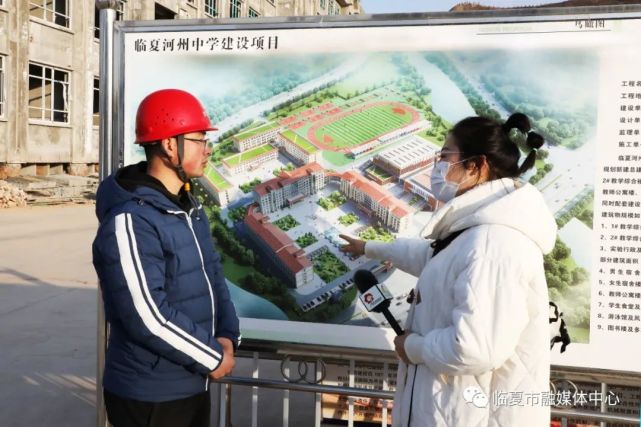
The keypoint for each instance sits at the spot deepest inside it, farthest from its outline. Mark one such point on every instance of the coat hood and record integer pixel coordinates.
(502, 202)
(133, 183)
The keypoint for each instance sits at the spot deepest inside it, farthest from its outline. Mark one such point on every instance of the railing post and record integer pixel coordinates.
(222, 404)
(350, 399)
(317, 404)
(385, 388)
(286, 397)
(228, 405)
(604, 406)
(255, 392)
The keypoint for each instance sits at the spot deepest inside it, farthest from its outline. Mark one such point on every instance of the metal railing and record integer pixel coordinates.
(319, 358)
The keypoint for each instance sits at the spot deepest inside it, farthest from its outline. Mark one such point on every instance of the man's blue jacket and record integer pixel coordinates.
(163, 288)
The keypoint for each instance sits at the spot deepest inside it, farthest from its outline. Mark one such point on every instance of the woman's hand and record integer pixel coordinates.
(355, 247)
(399, 347)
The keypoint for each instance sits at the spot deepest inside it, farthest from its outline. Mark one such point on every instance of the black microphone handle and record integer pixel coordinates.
(392, 321)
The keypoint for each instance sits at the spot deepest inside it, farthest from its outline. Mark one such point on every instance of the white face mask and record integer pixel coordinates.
(443, 189)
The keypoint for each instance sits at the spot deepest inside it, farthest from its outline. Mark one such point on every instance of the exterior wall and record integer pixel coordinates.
(248, 165)
(277, 199)
(278, 266)
(422, 192)
(400, 173)
(269, 256)
(74, 49)
(256, 140)
(71, 49)
(382, 212)
(304, 276)
(222, 197)
(297, 152)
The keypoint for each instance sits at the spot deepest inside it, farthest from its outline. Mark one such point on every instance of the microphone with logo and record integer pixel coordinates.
(375, 297)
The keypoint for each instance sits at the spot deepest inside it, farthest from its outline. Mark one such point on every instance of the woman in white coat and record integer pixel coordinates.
(476, 348)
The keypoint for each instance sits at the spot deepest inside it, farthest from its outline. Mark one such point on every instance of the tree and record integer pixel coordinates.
(542, 154)
(564, 275)
(560, 251)
(580, 275)
(554, 294)
(554, 282)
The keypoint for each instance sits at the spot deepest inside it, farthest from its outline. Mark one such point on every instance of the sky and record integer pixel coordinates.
(396, 6)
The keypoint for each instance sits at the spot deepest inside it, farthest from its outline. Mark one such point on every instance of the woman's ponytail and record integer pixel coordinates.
(534, 141)
(518, 121)
(480, 136)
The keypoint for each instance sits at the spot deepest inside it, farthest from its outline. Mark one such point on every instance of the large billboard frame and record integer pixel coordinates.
(353, 21)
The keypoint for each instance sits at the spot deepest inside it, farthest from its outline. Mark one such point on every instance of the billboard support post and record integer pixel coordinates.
(107, 17)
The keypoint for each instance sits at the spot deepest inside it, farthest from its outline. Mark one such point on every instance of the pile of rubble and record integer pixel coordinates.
(11, 196)
(47, 190)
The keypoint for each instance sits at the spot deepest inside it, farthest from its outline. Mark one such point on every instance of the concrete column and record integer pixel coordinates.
(83, 150)
(17, 82)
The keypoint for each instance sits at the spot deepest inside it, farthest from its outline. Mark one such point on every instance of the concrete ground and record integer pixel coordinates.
(47, 316)
(48, 327)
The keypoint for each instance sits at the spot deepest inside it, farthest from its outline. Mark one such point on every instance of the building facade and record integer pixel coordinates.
(248, 160)
(255, 137)
(49, 71)
(297, 148)
(359, 150)
(407, 157)
(375, 201)
(421, 185)
(289, 188)
(276, 248)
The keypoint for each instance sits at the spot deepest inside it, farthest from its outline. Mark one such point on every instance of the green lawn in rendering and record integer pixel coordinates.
(306, 240)
(255, 131)
(286, 223)
(348, 219)
(371, 233)
(579, 335)
(235, 272)
(378, 172)
(333, 201)
(216, 179)
(248, 155)
(336, 158)
(362, 126)
(328, 266)
(300, 141)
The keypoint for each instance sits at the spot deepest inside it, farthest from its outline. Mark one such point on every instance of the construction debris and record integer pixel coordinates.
(54, 189)
(11, 196)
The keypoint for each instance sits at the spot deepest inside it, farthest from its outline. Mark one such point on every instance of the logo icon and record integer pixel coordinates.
(475, 396)
(368, 297)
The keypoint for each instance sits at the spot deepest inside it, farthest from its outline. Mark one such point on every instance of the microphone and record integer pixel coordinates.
(375, 297)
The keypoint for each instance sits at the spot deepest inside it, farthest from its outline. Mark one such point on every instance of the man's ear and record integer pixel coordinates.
(169, 147)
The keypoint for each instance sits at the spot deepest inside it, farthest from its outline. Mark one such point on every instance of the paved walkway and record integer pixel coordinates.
(47, 316)
(48, 327)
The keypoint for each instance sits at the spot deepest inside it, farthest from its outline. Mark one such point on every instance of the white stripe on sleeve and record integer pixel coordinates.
(144, 304)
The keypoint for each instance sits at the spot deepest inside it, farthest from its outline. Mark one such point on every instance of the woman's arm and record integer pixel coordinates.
(410, 255)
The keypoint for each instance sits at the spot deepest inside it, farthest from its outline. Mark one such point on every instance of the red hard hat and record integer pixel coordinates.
(167, 113)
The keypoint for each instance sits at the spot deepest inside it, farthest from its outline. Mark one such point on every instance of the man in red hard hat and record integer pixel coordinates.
(173, 326)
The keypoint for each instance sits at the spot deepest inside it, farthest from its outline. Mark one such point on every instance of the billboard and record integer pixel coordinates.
(330, 127)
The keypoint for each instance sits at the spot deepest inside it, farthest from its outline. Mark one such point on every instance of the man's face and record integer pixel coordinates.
(196, 154)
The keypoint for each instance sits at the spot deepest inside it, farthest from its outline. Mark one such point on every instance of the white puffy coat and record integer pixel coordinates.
(480, 318)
